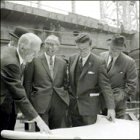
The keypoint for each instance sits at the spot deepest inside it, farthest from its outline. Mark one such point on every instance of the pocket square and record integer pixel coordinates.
(121, 72)
(91, 72)
(93, 94)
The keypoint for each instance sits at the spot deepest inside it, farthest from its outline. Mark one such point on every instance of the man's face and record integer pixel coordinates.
(13, 41)
(51, 48)
(115, 50)
(84, 49)
(31, 52)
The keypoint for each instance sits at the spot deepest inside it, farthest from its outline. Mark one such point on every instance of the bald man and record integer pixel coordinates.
(12, 91)
(45, 83)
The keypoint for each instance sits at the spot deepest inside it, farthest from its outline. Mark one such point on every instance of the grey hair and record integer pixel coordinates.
(29, 38)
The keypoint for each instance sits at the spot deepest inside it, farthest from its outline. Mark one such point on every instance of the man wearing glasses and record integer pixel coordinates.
(88, 77)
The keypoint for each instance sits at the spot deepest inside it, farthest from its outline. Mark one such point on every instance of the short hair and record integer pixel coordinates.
(52, 39)
(29, 38)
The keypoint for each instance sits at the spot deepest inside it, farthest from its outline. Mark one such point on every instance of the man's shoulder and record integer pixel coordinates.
(61, 60)
(8, 55)
(96, 57)
(128, 58)
(104, 53)
(72, 57)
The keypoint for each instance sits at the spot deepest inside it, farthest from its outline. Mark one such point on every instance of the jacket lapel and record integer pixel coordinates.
(116, 63)
(56, 66)
(106, 57)
(72, 69)
(87, 65)
(45, 64)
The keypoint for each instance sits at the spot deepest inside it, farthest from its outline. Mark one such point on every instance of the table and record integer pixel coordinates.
(102, 129)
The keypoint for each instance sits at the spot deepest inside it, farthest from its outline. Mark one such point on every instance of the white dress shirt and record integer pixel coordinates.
(84, 60)
(51, 67)
(48, 59)
(21, 61)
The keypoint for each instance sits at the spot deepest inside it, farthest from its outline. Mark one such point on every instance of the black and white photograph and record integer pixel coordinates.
(69, 69)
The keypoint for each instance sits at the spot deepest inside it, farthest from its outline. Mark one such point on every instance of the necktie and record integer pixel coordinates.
(80, 63)
(51, 66)
(110, 64)
(22, 72)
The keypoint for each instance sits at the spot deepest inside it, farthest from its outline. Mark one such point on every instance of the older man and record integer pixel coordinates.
(122, 74)
(45, 83)
(88, 77)
(12, 91)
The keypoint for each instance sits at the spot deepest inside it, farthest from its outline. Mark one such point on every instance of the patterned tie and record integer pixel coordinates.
(81, 63)
(51, 66)
(110, 64)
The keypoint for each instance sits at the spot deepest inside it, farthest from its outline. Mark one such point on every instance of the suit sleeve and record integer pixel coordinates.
(69, 81)
(131, 79)
(66, 79)
(10, 75)
(28, 78)
(105, 86)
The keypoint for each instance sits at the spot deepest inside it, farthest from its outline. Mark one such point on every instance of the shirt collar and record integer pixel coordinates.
(48, 57)
(85, 59)
(21, 61)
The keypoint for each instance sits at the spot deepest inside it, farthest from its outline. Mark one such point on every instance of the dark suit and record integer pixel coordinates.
(123, 79)
(48, 96)
(12, 90)
(84, 94)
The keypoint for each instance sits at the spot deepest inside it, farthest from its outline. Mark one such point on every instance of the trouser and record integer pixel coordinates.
(56, 116)
(7, 120)
(80, 120)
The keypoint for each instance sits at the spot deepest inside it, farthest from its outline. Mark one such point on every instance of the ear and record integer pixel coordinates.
(21, 47)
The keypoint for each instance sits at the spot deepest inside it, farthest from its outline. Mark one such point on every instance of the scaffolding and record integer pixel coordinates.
(121, 14)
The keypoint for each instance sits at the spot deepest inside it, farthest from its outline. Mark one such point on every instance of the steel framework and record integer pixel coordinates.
(121, 14)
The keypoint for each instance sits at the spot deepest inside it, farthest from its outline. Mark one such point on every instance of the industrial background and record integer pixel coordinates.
(44, 23)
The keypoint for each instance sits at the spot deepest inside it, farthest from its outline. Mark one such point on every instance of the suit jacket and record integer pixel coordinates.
(11, 87)
(40, 86)
(93, 79)
(122, 75)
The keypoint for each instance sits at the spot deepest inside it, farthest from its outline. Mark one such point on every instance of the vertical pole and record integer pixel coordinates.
(117, 10)
(73, 6)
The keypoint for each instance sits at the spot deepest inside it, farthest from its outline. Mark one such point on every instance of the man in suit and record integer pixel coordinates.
(16, 34)
(12, 91)
(45, 82)
(88, 77)
(122, 74)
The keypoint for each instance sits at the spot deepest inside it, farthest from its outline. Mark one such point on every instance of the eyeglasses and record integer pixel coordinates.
(50, 44)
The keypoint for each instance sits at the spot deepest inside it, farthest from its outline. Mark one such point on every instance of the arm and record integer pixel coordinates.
(28, 77)
(107, 91)
(66, 79)
(131, 79)
(106, 87)
(10, 75)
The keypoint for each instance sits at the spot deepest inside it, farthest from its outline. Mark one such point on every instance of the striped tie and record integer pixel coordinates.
(51, 66)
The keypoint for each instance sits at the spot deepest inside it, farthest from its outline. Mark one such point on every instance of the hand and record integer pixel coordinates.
(111, 115)
(42, 125)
